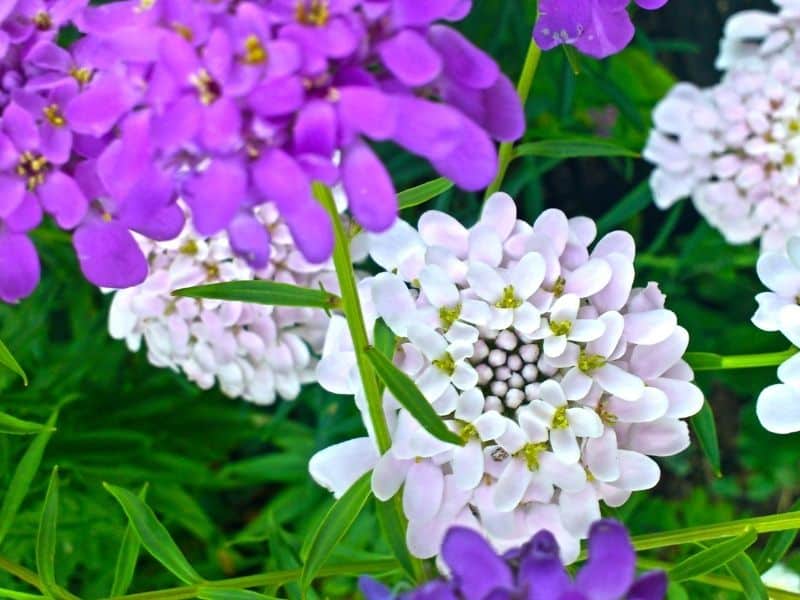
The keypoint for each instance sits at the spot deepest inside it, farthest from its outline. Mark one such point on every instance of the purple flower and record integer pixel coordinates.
(598, 28)
(535, 571)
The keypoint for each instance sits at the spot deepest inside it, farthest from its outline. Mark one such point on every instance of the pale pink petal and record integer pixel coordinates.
(510, 488)
(584, 422)
(440, 229)
(652, 405)
(565, 446)
(649, 327)
(579, 510)
(485, 246)
(485, 282)
(388, 476)
(665, 437)
(778, 409)
(468, 465)
(637, 471)
(423, 491)
(619, 382)
(499, 213)
(527, 275)
(338, 467)
(438, 287)
(600, 455)
(653, 361)
(589, 279)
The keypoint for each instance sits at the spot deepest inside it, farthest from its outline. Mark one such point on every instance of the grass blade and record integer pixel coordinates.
(7, 359)
(705, 428)
(13, 426)
(777, 546)
(210, 593)
(714, 557)
(422, 193)
(573, 148)
(153, 535)
(127, 557)
(271, 293)
(15, 595)
(46, 538)
(23, 476)
(408, 394)
(393, 524)
(632, 204)
(744, 570)
(334, 526)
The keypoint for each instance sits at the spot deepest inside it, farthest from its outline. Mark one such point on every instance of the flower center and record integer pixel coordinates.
(312, 12)
(560, 419)
(589, 363)
(446, 364)
(507, 371)
(183, 31)
(606, 416)
(508, 299)
(448, 316)
(189, 248)
(53, 114)
(32, 167)
(254, 51)
(530, 452)
(207, 88)
(469, 432)
(43, 21)
(558, 287)
(560, 327)
(81, 74)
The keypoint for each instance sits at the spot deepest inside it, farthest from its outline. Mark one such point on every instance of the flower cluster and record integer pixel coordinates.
(735, 148)
(253, 351)
(560, 377)
(598, 29)
(535, 570)
(778, 405)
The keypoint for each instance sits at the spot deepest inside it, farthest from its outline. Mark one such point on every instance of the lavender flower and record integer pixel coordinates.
(595, 28)
(535, 571)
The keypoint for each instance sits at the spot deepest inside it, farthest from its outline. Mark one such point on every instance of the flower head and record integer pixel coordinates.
(531, 343)
(253, 352)
(535, 571)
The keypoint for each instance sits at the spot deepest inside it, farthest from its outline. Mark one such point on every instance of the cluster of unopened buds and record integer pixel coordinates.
(530, 342)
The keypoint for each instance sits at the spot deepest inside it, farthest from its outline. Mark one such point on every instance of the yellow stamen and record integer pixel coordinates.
(32, 168)
(254, 51)
(312, 12)
(530, 452)
(589, 363)
(183, 31)
(446, 364)
(53, 114)
(43, 21)
(448, 316)
(508, 299)
(208, 89)
(81, 74)
(190, 248)
(560, 419)
(560, 327)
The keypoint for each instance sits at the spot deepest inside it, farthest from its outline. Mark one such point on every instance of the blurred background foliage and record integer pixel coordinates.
(229, 479)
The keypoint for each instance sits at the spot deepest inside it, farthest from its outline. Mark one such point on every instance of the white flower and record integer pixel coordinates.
(782, 577)
(253, 352)
(532, 345)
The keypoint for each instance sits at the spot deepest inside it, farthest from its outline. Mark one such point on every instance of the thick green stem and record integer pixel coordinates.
(704, 361)
(351, 305)
(524, 90)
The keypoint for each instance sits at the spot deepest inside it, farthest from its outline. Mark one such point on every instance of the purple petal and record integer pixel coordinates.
(97, 110)
(428, 129)
(609, 31)
(12, 191)
(561, 22)
(50, 57)
(250, 240)
(505, 116)
(19, 267)
(541, 568)
(415, 13)
(146, 199)
(410, 58)
(651, 4)
(609, 572)
(368, 111)
(472, 164)
(222, 123)
(370, 192)
(56, 144)
(476, 568)
(27, 216)
(315, 129)
(18, 123)
(374, 590)
(650, 586)
(62, 198)
(215, 195)
(180, 57)
(123, 163)
(312, 232)
(165, 224)
(218, 55)
(178, 124)
(463, 62)
(108, 254)
(277, 97)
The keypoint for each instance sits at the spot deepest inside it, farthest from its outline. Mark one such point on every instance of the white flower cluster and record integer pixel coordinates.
(778, 406)
(254, 352)
(734, 148)
(561, 378)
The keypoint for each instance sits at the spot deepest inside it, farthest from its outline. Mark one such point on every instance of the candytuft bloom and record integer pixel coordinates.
(598, 29)
(253, 352)
(535, 570)
(533, 346)
(778, 405)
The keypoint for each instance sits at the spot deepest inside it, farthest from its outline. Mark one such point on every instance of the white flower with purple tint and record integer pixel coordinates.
(561, 378)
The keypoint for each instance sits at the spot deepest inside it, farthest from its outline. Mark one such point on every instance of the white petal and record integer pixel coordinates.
(485, 246)
(468, 465)
(565, 446)
(552, 393)
(555, 345)
(793, 250)
(433, 383)
(576, 384)
(534, 426)
(587, 330)
(789, 323)
(779, 274)
(499, 213)
(527, 275)
(769, 305)
(619, 382)
(393, 302)
(584, 422)
(388, 476)
(461, 333)
(447, 402)
(526, 318)
(579, 510)
(423, 491)
(653, 361)
(510, 488)
(637, 472)
(513, 438)
(665, 437)
(650, 327)
(438, 287)
(486, 282)
(652, 405)
(778, 409)
(685, 398)
(789, 371)
(606, 344)
(601, 457)
(501, 318)
(465, 376)
(432, 344)
(476, 312)
(589, 279)
(541, 411)
(553, 224)
(390, 247)
(338, 467)
(569, 477)
(440, 229)
(333, 372)
(491, 425)
(470, 405)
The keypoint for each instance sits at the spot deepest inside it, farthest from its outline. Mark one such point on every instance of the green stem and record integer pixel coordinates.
(705, 361)
(523, 89)
(351, 305)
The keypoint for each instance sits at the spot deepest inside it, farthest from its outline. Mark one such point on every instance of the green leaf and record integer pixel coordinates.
(46, 538)
(393, 524)
(705, 428)
(703, 361)
(385, 339)
(127, 557)
(271, 293)
(422, 193)
(23, 476)
(714, 557)
(743, 569)
(14, 595)
(281, 467)
(573, 148)
(13, 426)
(7, 359)
(409, 396)
(777, 546)
(334, 526)
(633, 203)
(154, 536)
(210, 593)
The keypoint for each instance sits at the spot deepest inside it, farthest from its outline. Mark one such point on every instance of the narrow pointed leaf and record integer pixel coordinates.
(573, 148)
(705, 428)
(154, 536)
(334, 526)
(408, 394)
(13, 426)
(744, 570)
(127, 557)
(777, 546)
(210, 593)
(23, 476)
(632, 204)
(422, 193)
(714, 557)
(393, 524)
(7, 359)
(385, 339)
(15, 595)
(271, 293)
(46, 538)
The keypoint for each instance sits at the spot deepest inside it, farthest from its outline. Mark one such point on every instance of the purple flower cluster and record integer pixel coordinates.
(229, 105)
(598, 28)
(535, 571)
